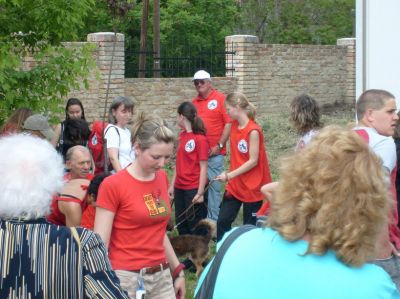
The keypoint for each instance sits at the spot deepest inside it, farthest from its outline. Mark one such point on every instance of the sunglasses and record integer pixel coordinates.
(199, 82)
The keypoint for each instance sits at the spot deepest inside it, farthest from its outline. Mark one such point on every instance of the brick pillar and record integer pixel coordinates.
(105, 44)
(244, 63)
(350, 44)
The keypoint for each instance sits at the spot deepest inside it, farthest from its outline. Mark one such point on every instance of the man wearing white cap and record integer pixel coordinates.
(210, 107)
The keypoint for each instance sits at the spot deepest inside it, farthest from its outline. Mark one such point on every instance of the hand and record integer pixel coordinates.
(395, 252)
(223, 177)
(179, 286)
(171, 192)
(214, 151)
(269, 189)
(385, 248)
(198, 198)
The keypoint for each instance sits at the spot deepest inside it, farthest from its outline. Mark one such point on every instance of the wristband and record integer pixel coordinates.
(177, 270)
(226, 176)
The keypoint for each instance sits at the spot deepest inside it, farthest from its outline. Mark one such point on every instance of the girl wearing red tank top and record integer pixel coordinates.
(249, 168)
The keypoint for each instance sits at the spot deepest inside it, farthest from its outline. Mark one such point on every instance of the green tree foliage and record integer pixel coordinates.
(297, 21)
(198, 23)
(184, 25)
(36, 29)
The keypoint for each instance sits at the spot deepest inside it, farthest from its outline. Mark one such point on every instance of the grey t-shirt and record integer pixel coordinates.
(392, 267)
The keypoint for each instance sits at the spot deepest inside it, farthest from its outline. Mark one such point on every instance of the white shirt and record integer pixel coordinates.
(305, 139)
(383, 146)
(122, 142)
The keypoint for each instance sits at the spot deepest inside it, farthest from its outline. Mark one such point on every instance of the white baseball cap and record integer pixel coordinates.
(201, 75)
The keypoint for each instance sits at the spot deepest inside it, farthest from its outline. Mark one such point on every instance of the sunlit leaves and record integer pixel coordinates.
(36, 29)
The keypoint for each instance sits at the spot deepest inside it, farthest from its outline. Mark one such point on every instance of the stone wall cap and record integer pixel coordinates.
(347, 41)
(242, 38)
(104, 36)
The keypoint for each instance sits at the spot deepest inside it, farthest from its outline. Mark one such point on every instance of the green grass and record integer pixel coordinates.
(280, 140)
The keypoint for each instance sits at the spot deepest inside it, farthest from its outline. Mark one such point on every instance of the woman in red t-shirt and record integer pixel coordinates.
(249, 168)
(132, 212)
(190, 175)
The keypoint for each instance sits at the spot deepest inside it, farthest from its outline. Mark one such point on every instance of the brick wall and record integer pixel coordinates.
(270, 75)
(163, 95)
(95, 96)
(158, 95)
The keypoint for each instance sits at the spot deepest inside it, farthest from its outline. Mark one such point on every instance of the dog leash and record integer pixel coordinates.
(187, 218)
(192, 206)
(193, 203)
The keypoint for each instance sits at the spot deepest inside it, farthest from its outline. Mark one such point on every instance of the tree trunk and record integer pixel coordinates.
(156, 39)
(143, 40)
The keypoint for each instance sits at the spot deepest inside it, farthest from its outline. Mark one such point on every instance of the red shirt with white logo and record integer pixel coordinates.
(246, 187)
(213, 113)
(142, 210)
(192, 149)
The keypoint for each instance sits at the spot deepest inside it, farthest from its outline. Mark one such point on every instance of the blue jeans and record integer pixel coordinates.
(215, 167)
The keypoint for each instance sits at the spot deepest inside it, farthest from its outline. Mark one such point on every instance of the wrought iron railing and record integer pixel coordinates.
(184, 65)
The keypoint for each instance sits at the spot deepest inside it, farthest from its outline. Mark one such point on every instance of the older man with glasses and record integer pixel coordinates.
(210, 107)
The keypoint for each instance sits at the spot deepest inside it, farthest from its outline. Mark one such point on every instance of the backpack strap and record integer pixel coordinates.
(119, 137)
(363, 134)
(60, 147)
(206, 290)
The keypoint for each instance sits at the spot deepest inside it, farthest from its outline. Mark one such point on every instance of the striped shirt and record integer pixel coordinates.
(42, 260)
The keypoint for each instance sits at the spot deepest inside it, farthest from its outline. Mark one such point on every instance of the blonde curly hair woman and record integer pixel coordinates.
(326, 216)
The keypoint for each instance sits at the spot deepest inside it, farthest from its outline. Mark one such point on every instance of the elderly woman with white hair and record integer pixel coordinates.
(39, 259)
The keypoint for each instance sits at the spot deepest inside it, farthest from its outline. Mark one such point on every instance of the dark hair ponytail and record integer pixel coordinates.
(188, 110)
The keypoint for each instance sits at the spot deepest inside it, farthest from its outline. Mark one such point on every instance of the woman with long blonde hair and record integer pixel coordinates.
(249, 168)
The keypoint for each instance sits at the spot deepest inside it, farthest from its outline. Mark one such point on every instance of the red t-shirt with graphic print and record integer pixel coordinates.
(213, 113)
(192, 149)
(142, 211)
(246, 187)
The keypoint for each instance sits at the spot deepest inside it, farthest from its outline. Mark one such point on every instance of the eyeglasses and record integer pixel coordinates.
(199, 82)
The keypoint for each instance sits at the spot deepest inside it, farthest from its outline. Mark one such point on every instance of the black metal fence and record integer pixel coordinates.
(185, 64)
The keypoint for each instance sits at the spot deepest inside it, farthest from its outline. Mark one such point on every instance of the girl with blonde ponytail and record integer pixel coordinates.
(249, 168)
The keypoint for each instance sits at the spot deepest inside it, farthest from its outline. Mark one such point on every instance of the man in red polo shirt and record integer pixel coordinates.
(210, 107)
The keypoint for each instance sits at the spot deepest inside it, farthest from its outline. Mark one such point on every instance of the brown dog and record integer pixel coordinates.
(195, 247)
